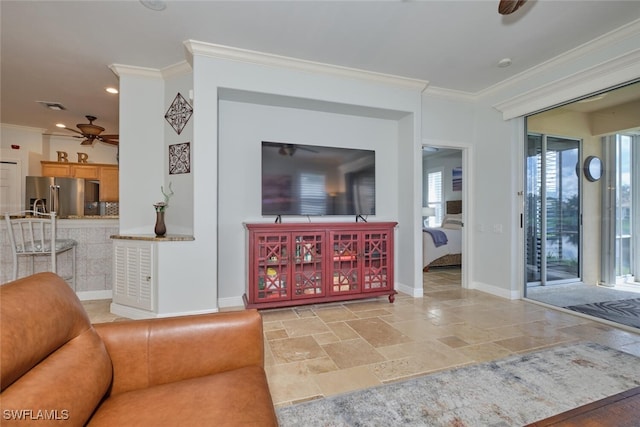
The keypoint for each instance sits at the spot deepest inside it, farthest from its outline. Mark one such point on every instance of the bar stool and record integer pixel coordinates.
(31, 234)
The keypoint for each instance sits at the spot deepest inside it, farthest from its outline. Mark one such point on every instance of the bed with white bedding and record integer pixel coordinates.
(437, 254)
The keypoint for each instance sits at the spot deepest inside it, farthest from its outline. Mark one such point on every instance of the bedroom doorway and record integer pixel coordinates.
(443, 194)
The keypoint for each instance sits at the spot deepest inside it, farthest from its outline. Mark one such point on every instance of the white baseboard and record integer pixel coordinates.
(230, 302)
(94, 295)
(494, 290)
(414, 292)
(137, 313)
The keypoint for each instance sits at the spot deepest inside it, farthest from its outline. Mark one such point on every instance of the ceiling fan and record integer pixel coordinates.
(287, 149)
(91, 132)
(507, 7)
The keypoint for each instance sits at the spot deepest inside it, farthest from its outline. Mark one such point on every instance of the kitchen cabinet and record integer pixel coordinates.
(109, 183)
(107, 174)
(85, 171)
(295, 264)
(55, 169)
(134, 277)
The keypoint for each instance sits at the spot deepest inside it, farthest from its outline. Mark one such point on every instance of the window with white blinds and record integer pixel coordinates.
(435, 197)
(313, 198)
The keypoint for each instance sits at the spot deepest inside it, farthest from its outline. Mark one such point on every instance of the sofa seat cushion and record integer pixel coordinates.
(233, 398)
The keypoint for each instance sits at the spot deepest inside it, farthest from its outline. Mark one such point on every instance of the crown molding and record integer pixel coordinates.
(253, 57)
(22, 128)
(175, 70)
(619, 34)
(130, 70)
(617, 71)
(441, 92)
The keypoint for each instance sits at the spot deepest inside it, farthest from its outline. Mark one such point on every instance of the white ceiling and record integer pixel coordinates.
(60, 50)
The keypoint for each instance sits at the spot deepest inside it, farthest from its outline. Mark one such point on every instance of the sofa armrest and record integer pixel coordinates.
(150, 352)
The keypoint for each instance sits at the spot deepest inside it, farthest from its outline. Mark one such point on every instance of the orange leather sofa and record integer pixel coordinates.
(58, 368)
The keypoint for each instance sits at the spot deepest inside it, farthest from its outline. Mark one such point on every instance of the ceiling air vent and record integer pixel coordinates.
(56, 106)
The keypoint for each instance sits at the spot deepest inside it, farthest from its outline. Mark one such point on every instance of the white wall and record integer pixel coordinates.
(291, 87)
(239, 169)
(179, 215)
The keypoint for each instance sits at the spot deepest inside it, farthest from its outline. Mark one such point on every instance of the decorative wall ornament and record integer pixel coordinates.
(179, 113)
(179, 158)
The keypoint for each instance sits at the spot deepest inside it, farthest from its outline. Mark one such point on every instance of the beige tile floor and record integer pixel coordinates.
(326, 349)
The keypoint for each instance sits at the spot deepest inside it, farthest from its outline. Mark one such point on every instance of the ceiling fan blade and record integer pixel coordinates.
(87, 142)
(507, 7)
(109, 139)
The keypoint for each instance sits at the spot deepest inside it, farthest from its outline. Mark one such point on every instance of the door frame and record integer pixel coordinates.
(5, 157)
(467, 208)
(579, 172)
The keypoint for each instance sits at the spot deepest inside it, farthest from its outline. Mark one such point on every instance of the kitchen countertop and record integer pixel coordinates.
(154, 238)
(91, 217)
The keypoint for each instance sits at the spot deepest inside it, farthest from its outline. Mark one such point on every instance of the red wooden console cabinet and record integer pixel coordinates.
(309, 263)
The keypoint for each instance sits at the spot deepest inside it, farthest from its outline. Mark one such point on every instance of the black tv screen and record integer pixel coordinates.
(316, 180)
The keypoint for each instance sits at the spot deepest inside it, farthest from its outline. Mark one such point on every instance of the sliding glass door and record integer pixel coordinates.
(552, 210)
(620, 255)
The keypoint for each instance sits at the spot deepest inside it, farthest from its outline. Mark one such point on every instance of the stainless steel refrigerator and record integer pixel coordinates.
(65, 196)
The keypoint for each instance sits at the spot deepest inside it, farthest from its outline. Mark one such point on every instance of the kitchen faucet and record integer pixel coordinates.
(43, 207)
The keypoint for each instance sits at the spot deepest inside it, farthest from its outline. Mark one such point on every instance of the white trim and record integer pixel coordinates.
(22, 128)
(602, 42)
(619, 34)
(130, 70)
(254, 57)
(440, 92)
(467, 209)
(136, 313)
(230, 302)
(614, 72)
(179, 69)
(509, 294)
(414, 292)
(94, 295)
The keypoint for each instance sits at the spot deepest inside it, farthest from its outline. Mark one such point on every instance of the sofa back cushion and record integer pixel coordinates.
(52, 362)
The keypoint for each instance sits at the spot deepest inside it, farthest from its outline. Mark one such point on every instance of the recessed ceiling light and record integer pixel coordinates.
(60, 125)
(111, 90)
(156, 5)
(504, 62)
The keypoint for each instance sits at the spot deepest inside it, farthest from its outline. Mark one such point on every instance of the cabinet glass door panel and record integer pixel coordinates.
(273, 267)
(345, 263)
(375, 263)
(308, 265)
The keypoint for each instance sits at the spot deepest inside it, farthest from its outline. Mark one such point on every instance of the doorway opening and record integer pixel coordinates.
(443, 175)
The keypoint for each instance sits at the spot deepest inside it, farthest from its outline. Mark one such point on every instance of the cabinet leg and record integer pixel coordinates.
(392, 298)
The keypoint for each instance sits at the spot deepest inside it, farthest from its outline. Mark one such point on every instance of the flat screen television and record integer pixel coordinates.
(317, 180)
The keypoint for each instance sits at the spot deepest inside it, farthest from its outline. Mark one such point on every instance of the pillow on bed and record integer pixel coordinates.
(452, 221)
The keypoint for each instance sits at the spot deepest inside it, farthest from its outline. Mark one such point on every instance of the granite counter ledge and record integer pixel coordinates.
(154, 238)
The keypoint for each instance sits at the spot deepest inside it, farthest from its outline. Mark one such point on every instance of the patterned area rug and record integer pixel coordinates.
(625, 312)
(509, 392)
